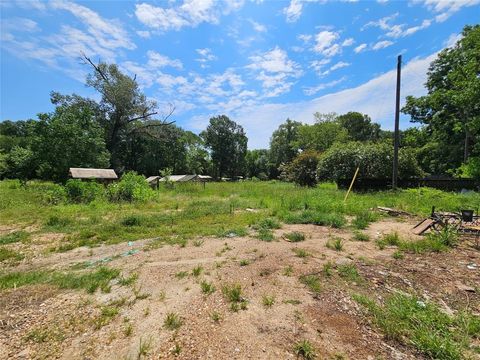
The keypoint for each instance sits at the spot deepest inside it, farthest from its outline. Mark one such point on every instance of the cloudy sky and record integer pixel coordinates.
(258, 62)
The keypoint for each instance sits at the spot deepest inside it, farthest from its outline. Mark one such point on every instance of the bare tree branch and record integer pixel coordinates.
(97, 69)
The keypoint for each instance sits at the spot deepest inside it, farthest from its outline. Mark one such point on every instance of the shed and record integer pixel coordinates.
(180, 178)
(153, 181)
(103, 175)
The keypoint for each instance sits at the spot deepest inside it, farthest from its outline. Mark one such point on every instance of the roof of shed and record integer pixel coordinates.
(84, 173)
(179, 178)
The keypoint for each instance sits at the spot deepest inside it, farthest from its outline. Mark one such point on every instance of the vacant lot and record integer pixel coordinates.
(235, 271)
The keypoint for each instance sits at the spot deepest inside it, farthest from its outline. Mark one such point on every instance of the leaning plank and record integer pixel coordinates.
(423, 226)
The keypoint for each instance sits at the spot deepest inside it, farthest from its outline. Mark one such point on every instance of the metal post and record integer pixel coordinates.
(397, 125)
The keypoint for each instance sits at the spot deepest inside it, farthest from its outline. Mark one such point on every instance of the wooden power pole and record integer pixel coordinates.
(396, 142)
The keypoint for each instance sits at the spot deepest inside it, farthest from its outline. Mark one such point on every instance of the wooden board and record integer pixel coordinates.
(423, 226)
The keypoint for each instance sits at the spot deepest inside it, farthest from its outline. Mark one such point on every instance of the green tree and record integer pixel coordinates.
(320, 136)
(359, 126)
(303, 169)
(228, 144)
(451, 109)
(257, 164)
(284, 144)
(19, 163)
(68, 137)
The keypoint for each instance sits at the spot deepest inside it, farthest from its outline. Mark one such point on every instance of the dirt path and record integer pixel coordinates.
(331, 321)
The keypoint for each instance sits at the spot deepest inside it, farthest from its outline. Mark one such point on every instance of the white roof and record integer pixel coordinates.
(85, 173)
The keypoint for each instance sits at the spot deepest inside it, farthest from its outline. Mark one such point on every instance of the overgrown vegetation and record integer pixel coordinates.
(423, 325)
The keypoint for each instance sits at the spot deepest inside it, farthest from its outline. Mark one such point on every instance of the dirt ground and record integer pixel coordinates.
(42, 321)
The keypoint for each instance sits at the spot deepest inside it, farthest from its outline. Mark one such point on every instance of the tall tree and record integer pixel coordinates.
(320, 136)
(127, 110)
(451, 109)
(359, 126)
(283, 144)
(228, 144)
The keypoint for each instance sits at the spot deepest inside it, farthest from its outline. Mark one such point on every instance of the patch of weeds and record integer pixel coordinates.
(58, 221)
(162, 295)
(423, 325)
(268, 223)
(391, 239)
(198, 242)
(265, 272)
(295, 236)
(427, 244)
(265, 235)
(311, 217)
(360, 236)
(181, 274)
(288, 271)
(328, 269)
(268, 300)
(301, 253)
(172, 321)
(132, 220)
(144, 347)
(398, 255)
(146, 311)
(233, 292)
(223, 250)
(107, 313)
(244, 262)
(197, 270)
(313, 282)
(8, 254)
(349, 272)
(215, 316)
(292, 302)
(448, 236)
(128, 329)
(129, 280)
(305, 349)
(207, 288)
(335, 244)
(137, 292)
(14, 237)
(177, 349)
(363, 219)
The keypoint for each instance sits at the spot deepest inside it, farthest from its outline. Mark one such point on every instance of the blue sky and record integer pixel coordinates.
(259, 62)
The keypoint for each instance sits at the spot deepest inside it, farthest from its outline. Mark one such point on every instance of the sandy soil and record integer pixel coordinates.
(43, 322)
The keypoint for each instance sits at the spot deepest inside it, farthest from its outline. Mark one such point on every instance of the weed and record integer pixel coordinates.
(268, 223)
(288, 271)
(129, 280)
(292, 302)
(295, 236)
(128, 329)
(7, 254)
(265, 235)
(233, 292)
(335, 244)
(359, 236)
(132, 220)
(162, 295)
(172, 321)
(198, 242)
(58, 221)
(349, 272)
(305, 349)
(363, 219)
(391, 239)
(398, 255)
(177, 349)
(107, 313)
(328, 269)
(14, 237)
(181, 274)
(301, 253)
(244, 262)
(207, 288)
(448, 236)
(268, 301)
(197, 270)
(137, 292)
(144, 347)
(313, 282)
(215, 316)
(146, 311)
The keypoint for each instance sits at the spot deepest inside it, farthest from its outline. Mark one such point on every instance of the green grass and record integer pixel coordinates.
(233, 292)
(13, 237)
(423, 325)
(207, 288)
(268, 300)
(188, 211)
(197, 270)
(265, 235)
(295, 236)
(335, 244)
(363, 219)
(8, 254)
(349, 272)
(89, 281)
(313, 283)
(172, 321)
(301, 253)
(305, 349)
(359, 236)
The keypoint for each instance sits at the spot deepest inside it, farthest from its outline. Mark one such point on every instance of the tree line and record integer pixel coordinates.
(125, 131)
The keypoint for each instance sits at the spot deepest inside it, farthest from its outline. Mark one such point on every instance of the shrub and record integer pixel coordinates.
(374, 160)
(131, 187)
(55, 195)
(83, 191)
(303, 169)
(295, 236)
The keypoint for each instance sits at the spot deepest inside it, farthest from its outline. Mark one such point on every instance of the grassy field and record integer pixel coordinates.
(188, 210)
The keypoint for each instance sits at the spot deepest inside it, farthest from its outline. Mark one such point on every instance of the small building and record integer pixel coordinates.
(101, 175)
(204, 178)
(180, 178)
(153, 181)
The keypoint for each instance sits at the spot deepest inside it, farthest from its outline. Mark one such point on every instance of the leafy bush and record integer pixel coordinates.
(83, 191)
(374, 160)
(132, 187)
(55, 195)
(303, 169)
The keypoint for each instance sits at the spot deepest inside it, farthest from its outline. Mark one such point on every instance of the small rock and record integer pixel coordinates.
(464, 287)
(343, 261)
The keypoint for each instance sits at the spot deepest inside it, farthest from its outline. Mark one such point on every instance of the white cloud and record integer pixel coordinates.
(156, 60)
(190, 13)
(206, 56)
(293, 11)
(360, 48)
(446, 8)
(375, 97)
(325, 43)
(258, 27)
(397, 30)
(309, 91)
(18, 24)
(339, 65)
(382, 44)
(348, 42)
(144, 34)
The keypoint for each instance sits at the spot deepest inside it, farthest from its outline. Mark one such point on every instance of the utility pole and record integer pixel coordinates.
(396, 143)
